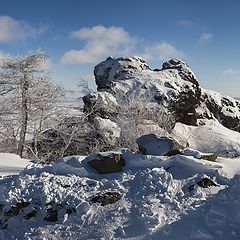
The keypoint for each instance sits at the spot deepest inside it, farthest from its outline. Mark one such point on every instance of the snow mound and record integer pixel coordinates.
(156, 191)
(219, 219)
(209, 136)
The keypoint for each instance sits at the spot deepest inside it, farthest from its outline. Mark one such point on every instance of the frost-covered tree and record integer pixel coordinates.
(28, 97)
(140, 116)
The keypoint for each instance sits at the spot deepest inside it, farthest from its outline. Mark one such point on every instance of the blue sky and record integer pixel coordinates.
(79, 34)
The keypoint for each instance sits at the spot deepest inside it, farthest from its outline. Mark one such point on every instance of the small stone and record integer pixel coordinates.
(206, 182)
(31, 214)
(108, 164)
(52, 215)
(209, 157)
(107, 198)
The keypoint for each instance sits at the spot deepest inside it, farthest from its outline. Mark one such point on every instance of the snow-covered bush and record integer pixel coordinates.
(137, 117)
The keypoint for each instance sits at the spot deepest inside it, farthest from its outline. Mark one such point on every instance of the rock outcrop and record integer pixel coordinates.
(174, 86)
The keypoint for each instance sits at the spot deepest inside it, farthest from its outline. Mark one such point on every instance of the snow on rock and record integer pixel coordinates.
(174, 86)
(132, 78)
(150, 144)
(108, 129)
(11, 164)
(121, 68)
(102, 102)
(224, 108)
(210, 136)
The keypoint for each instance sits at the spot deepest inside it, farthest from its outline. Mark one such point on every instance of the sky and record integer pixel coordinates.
(78, 34)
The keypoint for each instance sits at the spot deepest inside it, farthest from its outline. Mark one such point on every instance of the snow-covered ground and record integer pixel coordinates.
(160, 200)
(209, 136)
(11, 164)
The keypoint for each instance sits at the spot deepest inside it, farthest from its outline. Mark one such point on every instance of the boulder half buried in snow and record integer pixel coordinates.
(107, 164)
(107, 198)
(209, 157)
(150, 144)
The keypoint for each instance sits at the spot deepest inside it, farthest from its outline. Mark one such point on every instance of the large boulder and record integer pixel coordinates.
(150, 144)
(174, 86)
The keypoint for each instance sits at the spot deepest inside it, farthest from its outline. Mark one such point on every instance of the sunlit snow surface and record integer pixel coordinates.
(156, 202)
(11, 164)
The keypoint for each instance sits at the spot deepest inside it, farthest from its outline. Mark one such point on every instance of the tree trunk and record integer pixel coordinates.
(24, 115)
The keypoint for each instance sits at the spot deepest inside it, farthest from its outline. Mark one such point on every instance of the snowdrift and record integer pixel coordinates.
(158, 197)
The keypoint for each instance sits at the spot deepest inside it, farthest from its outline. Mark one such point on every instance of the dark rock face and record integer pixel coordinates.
(108, 164)
(30, 215)
(150, 144)
(185, 104)
(15, 209)
(107, 198)
(227, 111)
(184, 107)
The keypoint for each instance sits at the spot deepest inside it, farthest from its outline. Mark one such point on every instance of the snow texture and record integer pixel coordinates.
(156, 202)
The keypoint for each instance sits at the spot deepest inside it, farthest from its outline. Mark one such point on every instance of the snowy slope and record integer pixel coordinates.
(155, 193)
(209, 136)
(218, 219)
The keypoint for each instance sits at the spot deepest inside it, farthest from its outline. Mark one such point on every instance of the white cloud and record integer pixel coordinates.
(162, 51)
(230, 71)
(205, 38)
(185, 23)
(13, 30)
(100, 42)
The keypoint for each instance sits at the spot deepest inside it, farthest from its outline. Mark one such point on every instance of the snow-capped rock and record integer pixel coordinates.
(174, 86)
(108, 72)
(224, 108)
(150, 144)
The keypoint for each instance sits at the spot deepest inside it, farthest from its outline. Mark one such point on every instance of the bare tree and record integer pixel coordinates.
(28, 94)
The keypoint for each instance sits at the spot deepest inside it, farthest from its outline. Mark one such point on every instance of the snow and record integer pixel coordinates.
(209, 136)
(156, 201)
(11, 164)
(161, 198)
